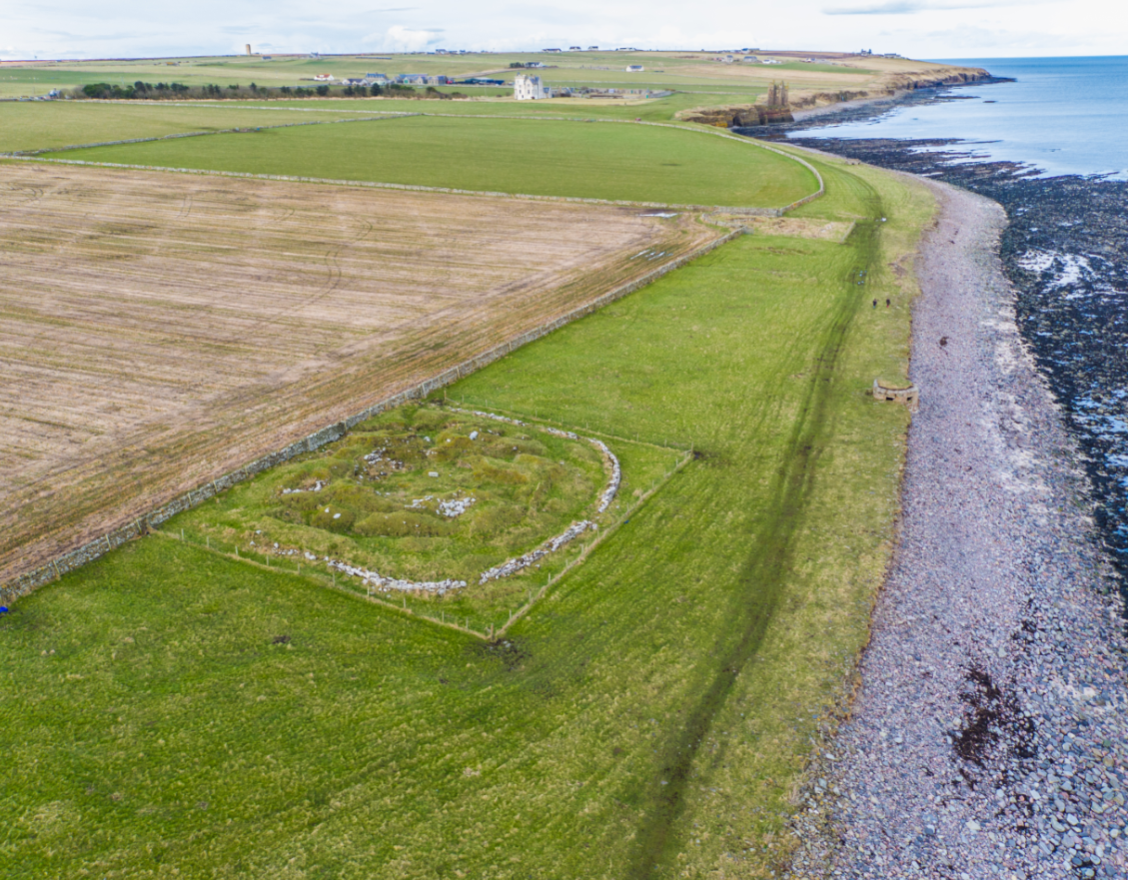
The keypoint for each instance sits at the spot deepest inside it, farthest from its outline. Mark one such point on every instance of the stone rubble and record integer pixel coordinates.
(456, 507)
(374, 580)
(609, 458)
(989, 734)
(513, 566)
(451, 507)
(317, 487)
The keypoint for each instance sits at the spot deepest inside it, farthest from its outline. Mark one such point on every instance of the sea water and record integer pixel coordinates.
(1060, 115)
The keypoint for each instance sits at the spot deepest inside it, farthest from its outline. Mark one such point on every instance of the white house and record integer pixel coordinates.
(530, 88)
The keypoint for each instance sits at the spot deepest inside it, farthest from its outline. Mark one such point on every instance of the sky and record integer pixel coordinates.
(914, 28)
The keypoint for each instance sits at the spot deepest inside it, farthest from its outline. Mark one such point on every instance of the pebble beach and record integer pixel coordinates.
(989, 733)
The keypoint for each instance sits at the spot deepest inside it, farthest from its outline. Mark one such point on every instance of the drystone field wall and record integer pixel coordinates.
(67, 562)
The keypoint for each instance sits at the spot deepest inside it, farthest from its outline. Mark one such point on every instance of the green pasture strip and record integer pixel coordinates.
(558, 158)
(800, 545)
(43, 125)
(167, 710)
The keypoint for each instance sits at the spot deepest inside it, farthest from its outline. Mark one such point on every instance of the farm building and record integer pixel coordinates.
(530, 88)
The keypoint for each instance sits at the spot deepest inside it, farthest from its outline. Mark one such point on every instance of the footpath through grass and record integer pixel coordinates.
(538, 157)
(171, 710)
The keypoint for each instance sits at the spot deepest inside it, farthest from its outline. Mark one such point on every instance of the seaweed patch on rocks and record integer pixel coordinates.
(994, 723)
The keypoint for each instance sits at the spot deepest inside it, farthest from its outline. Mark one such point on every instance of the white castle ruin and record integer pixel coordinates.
(530, 88)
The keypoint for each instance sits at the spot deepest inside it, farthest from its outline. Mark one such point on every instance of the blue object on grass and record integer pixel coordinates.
(3, 609)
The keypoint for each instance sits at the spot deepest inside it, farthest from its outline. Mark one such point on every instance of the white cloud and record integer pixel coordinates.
(931, 28)
(910, 7)
(404, 39)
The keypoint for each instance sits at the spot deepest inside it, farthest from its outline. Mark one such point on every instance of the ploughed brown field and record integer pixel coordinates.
(158, 329)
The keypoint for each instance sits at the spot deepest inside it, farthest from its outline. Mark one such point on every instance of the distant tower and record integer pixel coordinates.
(783, 95)
(248, 48)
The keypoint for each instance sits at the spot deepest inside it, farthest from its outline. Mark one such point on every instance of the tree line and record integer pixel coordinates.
(148, 91)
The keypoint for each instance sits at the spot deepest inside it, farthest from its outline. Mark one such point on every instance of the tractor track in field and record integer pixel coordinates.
(762, 576)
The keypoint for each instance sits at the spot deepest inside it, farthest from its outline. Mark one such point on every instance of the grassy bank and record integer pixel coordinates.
(562, 158)
(171, 709)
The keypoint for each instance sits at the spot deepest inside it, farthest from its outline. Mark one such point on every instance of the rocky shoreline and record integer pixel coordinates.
(1065, 249)
(989, 734)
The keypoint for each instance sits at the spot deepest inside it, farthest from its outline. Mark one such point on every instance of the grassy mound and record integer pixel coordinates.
(418, 494)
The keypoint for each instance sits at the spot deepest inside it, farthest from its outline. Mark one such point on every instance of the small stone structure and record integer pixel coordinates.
(906, 394)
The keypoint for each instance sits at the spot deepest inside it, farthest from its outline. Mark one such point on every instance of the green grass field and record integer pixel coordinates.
(592, 160)
(630, 108)
(54, 124)
(170, 710)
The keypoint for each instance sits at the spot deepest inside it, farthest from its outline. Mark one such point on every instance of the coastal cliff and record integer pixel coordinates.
(888, 85)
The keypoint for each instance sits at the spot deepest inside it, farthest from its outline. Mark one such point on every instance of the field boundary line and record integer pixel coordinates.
(231, 104)
(565, 427)
(404, 187)
(140, 525)
(316, 577)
